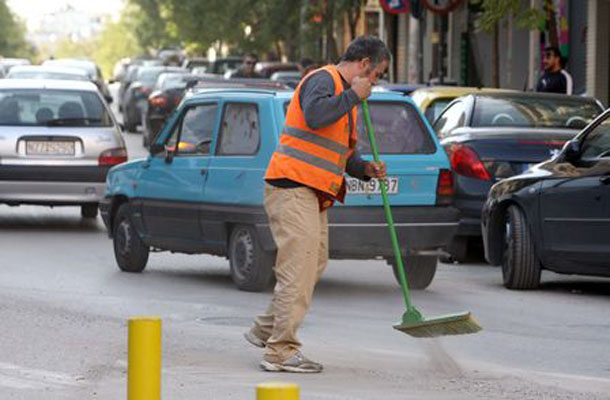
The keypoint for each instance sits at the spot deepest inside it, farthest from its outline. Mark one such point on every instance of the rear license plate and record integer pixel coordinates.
(356, 186)
(48, 148)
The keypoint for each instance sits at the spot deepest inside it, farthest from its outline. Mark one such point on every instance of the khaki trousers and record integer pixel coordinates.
(300, 232)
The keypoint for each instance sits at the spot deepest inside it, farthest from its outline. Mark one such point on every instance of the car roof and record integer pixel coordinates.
(283, 94)
(534, 95)
(47, 84)
(455, 91)
(50, 68)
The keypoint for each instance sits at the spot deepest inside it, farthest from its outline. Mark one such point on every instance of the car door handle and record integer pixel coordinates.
(605, 179)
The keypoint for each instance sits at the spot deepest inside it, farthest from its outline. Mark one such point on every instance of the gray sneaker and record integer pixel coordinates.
(254, 340)
(296, 363)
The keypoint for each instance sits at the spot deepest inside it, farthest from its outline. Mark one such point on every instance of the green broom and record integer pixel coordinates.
(413, 323)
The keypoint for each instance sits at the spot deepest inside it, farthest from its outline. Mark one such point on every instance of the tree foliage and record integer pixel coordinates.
(496, 11)
(12, 34)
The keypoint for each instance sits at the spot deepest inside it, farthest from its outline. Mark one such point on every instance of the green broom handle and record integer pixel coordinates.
(388, 212)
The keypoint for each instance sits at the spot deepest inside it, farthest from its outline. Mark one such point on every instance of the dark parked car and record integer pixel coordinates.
(165, 97)
(135, 100)
(492, 136)
(555, 216)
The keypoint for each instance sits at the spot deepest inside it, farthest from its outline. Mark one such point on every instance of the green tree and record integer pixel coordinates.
(494, 12)
(12, 35)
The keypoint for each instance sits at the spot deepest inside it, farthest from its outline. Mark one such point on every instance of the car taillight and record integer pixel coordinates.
(445, 188)
(464, 161)
(159, 101)
(112, 157)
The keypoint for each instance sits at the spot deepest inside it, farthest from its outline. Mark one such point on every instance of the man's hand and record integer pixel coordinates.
(362, 87)
(376, 169)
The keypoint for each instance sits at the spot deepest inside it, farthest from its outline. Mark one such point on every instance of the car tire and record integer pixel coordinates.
(419, 270)
(251, 266)
(457, 249)
(130, 252)
(88, 210)
(520, 265)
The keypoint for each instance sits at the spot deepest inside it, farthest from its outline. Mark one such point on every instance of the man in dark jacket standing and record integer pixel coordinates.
(555, 79)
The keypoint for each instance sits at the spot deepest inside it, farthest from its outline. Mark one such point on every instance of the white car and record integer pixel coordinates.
(58, 139)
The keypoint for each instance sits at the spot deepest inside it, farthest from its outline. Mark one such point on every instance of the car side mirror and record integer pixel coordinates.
(571, 152)
(169, 154)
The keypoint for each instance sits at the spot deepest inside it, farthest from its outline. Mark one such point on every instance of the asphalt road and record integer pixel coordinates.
(64, 307)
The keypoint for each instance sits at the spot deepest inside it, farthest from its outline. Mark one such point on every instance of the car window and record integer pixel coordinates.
(436, 107)
(52, 107)
(398, 129)
(240, 130)
(597, 143)
(540, 111)
(196, 129)
(453, 117)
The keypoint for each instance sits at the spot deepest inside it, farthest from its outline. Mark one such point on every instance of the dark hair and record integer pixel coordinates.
(251, 55)
(367, 47)
(554, 50)
(306, 62)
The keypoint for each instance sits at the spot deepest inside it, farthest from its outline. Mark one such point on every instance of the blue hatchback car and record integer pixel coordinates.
(201, 188)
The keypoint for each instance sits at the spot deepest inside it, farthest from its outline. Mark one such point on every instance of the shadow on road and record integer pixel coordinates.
(50, 223)
(598, 287)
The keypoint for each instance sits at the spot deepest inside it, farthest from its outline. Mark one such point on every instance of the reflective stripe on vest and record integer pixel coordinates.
(310, 159)
(316, 139)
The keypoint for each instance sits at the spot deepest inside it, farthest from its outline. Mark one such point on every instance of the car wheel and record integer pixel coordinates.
(520, 265)
(88, 210)
(457, 249)
(251, 265)
(419, 270)
(130, 252)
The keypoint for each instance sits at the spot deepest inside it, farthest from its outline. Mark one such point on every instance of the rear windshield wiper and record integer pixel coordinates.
(71, 121)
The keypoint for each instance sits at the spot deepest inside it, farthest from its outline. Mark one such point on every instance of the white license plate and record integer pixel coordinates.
(49, 148)
(356, 186)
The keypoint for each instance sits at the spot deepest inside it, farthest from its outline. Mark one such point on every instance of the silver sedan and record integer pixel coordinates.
(58, 139)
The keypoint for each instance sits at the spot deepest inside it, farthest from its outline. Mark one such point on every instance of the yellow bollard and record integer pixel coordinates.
(144, 359)
(277, 391)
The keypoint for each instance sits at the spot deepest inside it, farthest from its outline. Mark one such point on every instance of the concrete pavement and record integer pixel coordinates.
(64, 307)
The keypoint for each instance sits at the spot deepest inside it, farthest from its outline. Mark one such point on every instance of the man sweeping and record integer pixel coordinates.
(304, 178)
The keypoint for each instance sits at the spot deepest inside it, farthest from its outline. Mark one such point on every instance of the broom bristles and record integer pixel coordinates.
(460, 324)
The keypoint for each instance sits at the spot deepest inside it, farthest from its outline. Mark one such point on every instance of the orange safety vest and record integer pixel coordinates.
(315, 158)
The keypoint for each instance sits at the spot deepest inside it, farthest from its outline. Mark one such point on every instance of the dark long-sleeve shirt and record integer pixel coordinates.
(321, 107)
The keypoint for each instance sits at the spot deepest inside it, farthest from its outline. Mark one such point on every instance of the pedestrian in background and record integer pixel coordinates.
(555, 79)
(247, 68)
(305, 176)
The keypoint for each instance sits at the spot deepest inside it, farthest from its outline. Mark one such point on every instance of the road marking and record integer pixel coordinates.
(17, 377)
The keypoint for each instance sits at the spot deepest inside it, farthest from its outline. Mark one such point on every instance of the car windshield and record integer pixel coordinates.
(52, 107)
(398, 130)
(46, 75)
(436, 107)
(526, 111)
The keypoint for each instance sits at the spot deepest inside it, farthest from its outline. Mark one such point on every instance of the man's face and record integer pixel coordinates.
(249, 63)
(551, 61)
(374, 74)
